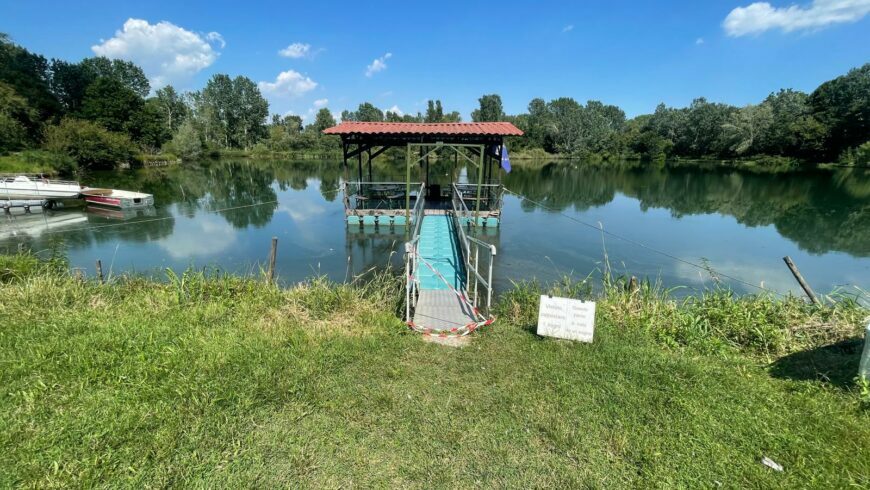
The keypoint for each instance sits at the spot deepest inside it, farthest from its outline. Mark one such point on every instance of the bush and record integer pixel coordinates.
(90, 145)
(859, 156)
(37, 162)
(186, 143)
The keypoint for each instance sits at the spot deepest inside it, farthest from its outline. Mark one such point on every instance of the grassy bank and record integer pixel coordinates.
(223, 381)
(35, 162)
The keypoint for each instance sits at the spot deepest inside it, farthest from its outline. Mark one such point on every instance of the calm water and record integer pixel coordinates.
(738, 223)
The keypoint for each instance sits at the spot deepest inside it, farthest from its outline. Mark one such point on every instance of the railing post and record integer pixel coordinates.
(476, 271)
(408, 184)
(489, 279)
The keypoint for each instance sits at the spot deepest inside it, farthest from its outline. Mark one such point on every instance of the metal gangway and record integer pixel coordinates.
(448, 273)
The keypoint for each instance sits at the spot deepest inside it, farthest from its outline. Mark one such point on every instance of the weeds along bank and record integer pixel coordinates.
(218, 381)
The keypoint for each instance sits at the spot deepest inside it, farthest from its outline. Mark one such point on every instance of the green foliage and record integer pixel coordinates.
(366, 112)
(186, 142)
(28, 75)
(172, 106)
(230, 112)
(18, 121)
(37, 161)
(842, 106)
(110, 104)
(859, 156)
(490, 109)
(89, 144)
(322, 120)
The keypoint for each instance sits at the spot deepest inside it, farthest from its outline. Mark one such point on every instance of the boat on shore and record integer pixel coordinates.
(25, 187)
(117, 198)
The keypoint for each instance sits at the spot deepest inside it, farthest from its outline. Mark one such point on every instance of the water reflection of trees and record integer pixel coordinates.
(820, 210)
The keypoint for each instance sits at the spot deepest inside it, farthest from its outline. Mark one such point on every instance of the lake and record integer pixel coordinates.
(730, 222)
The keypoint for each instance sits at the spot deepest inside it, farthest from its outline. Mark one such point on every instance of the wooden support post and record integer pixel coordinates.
(273, 255)
(800, 279)
(369, 158)
(632, 285)
(100, 271)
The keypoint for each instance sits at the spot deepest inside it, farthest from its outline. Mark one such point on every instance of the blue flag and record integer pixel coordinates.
(505, 159)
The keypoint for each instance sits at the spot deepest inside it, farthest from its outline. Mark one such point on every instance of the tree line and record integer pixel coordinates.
(99, 112)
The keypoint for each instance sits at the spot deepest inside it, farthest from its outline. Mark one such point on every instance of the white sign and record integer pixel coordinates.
(566, 318)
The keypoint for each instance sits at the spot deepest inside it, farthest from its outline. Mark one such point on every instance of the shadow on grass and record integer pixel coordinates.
(836, 364)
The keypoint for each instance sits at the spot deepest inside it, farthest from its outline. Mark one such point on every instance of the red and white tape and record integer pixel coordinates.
(454, 331)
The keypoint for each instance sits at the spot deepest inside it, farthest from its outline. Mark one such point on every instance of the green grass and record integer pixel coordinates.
(225, 382)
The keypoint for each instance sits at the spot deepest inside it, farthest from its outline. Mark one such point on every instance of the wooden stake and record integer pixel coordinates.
(632, 285)
(273, 254)
(100, 271)
(800, 279)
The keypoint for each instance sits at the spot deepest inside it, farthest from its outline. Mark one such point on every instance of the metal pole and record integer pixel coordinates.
(408, 187)
(489, 278)
(479, 182)
(359, 161)
(476, 270)
(800, 279)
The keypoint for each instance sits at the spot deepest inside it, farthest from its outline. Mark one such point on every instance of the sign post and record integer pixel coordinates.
(566, 318)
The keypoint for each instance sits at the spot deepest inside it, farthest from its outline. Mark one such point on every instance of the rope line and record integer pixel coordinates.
(643, 245)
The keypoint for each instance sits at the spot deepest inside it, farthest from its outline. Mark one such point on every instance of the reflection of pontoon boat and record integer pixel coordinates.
(117, 198)
(35, 224)
(37, 187)
(123, 213)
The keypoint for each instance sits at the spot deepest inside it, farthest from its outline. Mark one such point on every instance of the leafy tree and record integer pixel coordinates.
(252, 112)
(111, 104)
(17, 120)
(147, 126)
(89, 144)
(68, 83)
(366, 112)
(125, 72)
(746, 128)
(842, 105)
(434, 112)
(172, 106)
(490, 109)
(28, 75)
(322, 120)
(186, 143)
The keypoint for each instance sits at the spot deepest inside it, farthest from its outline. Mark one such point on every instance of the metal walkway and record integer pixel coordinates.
(446, 291)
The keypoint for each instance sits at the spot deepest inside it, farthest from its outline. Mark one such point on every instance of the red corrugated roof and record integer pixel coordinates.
(480, 128)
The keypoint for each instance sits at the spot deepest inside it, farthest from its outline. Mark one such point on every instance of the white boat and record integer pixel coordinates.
(117, 198)
(37, 187)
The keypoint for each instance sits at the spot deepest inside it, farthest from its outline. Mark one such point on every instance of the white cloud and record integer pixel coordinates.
(290, 83)
(699, 41)
(379, 64)
(761, 16)
(320, 103)
(395, 110)
(296, 50)
(568, 28)
(216, 37)
(167, 53)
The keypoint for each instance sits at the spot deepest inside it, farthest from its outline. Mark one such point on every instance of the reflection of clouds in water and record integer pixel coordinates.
(206, 234)
(301, 210)
(773, 279)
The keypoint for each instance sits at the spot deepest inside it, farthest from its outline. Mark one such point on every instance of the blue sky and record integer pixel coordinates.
(632, 54)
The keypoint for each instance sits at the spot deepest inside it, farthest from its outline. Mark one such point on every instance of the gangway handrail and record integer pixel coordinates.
(460, 211)
(412, 258)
